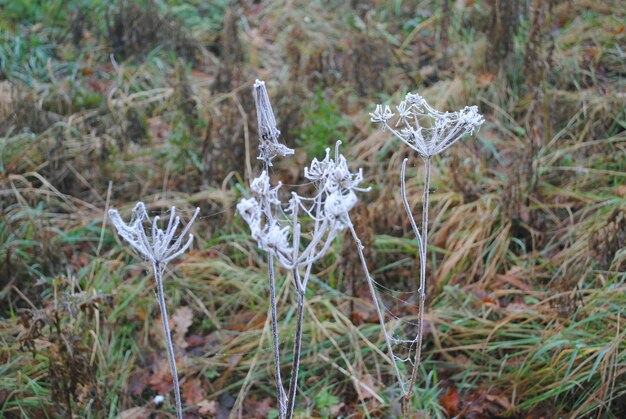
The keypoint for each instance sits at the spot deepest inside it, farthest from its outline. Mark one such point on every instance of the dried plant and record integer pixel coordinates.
(138, 27)
(159, 247)
(502, 25)
(429, 132)
(608, 240)
(63, 325)
(279, 230)
(538, 55)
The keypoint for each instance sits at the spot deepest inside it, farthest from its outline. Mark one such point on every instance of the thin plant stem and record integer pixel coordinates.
(158, 275)
(407, 207)
(297, 342)
(430, 139)
(280, 391)
(422, 288)
(370, 283)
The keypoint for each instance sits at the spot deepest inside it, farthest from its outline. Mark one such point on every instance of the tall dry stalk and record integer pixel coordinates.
(429, 132)
(159, 247)
(279, 230)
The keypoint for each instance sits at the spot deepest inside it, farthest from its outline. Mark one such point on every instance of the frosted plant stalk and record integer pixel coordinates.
(429, 132)
(159, 247)
(278, 229)
(269, 148)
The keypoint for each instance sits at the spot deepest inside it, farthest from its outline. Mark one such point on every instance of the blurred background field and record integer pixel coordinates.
(107, 102)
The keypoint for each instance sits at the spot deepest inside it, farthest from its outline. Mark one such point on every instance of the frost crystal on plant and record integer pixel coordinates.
(160, 246)
(425, 129)
(298, 234)
(329, 207)
(269, 147)
(429, 132)
(332, 175)
(263, 189)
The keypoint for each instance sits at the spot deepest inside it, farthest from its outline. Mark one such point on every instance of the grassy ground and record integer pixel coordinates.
(106, 103)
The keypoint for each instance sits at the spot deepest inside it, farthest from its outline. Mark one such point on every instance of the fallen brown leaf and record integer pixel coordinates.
(181, 321)
(192, 392)
(161, 381)
(135, 413)
(207, 408)
(137, 382)
(450, 401)
(370, 386)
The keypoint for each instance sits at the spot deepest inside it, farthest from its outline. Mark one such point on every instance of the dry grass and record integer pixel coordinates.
(526, 308)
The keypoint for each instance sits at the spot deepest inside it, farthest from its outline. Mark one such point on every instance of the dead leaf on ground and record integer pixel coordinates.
(181, 321)
(368, 387)
(207, 408)
(134, 413)
(485, 404)
(192, 392)
(137, 382)
(161, 380)
(256, 408)
(450, 401)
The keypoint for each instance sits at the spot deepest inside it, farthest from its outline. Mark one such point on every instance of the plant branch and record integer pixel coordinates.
(407, 207)
(297, 342)
(422, 288)
(280, 391)
(158, 276)
(370, 283)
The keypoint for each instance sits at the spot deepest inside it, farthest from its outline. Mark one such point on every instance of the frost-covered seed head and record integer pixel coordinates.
(382, 114)
(251, 212)
(338, 205)
(330, 174)
(275, 238)
(263, 189)
(425, 129)
(158, 245)
(269, 147)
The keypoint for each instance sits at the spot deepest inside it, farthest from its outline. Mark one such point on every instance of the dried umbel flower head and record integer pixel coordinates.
(429, 132)
(159, 245)
(332, 175)
(269, 147)
(425, 129)
(281, 230)
(337, 184)
(329, 208)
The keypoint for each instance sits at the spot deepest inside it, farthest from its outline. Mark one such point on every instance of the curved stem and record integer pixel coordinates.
(370, 283)
(158, 275)
(422, 289)
(297, 342)
(407, 207)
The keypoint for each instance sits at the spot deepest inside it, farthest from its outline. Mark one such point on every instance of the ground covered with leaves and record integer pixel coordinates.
(104, 103)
